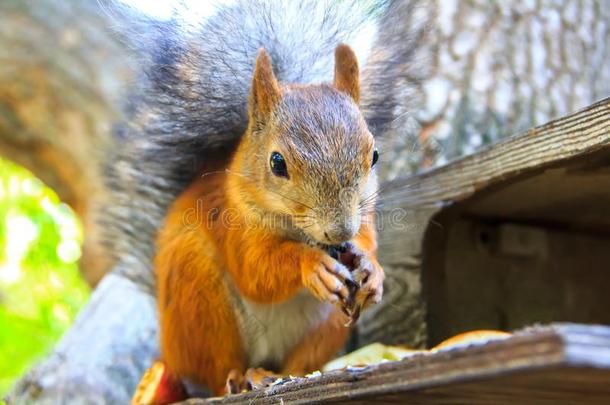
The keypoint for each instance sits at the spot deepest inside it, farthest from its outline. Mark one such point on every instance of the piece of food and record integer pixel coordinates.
(377, 352)
(344, 254)
(157, 386)
(371, 354)
(475, 337)
(351, 257)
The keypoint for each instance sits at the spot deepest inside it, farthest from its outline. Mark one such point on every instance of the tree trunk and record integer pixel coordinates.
(493, 69)
(61, 74)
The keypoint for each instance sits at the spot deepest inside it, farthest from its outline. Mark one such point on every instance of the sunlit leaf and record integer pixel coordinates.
(41, 289)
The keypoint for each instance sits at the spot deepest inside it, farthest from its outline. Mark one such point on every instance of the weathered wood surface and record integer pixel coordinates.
(482, 272)
(407, 206)
(560, 364)
(574, 135)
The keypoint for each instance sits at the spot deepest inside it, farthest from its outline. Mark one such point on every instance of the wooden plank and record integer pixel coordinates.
(559, 275)
(560, 364)
(548, 387)
(574, 135)
(407, 205)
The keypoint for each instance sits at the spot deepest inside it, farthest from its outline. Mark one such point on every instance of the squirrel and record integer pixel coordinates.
(244, 280)
(248, 185)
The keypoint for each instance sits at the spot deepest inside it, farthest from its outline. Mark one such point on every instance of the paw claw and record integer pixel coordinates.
(234, 382)
(259, 378)
(366, 285)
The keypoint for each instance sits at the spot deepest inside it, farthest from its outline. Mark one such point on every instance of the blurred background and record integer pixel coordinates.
(41, 288)
(483, 70)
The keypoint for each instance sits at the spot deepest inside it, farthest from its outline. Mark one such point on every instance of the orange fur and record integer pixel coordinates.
(347, 72)
(366, 239)
(266, 90)
(196, 317)
(199, 334)
(319, 346)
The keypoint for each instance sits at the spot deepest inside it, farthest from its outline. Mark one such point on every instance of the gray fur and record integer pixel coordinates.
(190, 100)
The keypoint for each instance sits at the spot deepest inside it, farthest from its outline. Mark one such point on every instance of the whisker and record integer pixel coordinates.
(415, 185)
(367, 202)
(212, 172)
(369, 207)
(273, 191)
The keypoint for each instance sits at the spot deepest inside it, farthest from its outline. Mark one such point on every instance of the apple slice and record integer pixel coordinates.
(158, 387)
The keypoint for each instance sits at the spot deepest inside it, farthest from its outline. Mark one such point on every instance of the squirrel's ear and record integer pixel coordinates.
(346, 72)
(266, 92)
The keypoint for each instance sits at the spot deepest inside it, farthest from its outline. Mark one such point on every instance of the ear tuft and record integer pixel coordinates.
(266, 92)
(347, 75)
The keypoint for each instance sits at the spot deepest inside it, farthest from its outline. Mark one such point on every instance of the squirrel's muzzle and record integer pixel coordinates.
(343, 232)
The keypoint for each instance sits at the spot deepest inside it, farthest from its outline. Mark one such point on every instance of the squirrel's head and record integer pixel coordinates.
(308, 155)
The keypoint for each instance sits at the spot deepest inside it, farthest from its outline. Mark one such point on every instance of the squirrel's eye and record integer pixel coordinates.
(278, 165)
(375, 157)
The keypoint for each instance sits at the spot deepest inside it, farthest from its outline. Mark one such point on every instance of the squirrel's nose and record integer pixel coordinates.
(342, 232)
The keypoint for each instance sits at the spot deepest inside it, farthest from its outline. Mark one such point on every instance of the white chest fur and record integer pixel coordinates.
(270, 331)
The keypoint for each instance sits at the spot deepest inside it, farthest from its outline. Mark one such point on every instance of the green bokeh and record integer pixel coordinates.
(41, 289)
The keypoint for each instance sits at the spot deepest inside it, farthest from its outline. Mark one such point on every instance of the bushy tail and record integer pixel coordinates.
(190, 98)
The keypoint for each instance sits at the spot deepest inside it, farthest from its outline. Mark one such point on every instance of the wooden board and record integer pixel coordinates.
(559, 364)
(519, 275)
(408, 206)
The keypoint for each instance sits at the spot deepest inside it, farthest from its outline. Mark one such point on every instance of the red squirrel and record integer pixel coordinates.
(246, 279)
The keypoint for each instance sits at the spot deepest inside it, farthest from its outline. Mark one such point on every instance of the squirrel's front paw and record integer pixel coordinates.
(368, 275)
(327, 279)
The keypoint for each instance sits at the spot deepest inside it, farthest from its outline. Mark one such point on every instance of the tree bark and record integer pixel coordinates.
(493, 69)
(62, 72)
(101, 359)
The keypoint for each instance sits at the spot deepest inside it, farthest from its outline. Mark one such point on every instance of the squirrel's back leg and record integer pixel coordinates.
(315, 349)
(319, 346)
(199, 335)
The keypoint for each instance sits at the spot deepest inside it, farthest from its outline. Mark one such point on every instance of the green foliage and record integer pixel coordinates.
(41, 289)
